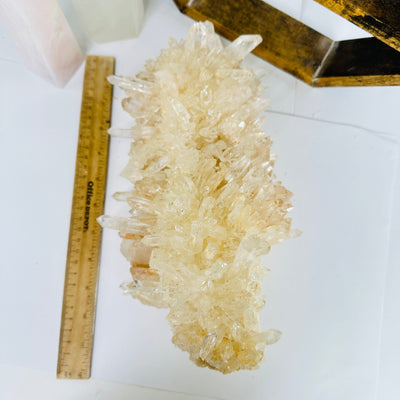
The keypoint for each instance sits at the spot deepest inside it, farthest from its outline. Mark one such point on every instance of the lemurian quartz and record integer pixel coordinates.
(205, 204)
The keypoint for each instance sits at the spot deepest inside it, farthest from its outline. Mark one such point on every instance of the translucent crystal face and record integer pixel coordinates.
(205, 204)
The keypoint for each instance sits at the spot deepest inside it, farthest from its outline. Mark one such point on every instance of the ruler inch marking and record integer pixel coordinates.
(81, 272)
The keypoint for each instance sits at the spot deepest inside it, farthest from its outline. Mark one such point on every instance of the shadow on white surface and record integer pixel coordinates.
(23, 383)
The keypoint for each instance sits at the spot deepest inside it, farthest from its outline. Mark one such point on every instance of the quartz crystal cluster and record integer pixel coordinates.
(205, 204)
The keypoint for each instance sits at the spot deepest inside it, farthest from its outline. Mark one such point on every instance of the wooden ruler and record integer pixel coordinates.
(80, 287)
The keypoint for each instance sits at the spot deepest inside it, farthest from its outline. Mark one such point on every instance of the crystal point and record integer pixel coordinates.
(43, 37)
(242, 46)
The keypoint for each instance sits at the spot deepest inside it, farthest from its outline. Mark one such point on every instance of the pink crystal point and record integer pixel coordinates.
(43, 38)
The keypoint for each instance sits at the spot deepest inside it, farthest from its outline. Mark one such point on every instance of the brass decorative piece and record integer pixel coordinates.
(298, 49)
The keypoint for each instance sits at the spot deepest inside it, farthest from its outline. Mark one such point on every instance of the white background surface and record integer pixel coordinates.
(356, 128)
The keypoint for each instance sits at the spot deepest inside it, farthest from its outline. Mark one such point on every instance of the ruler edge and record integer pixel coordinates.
(70, 233)
(103, 199)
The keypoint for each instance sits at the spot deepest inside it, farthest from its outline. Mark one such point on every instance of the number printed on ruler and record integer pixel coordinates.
(80, 287)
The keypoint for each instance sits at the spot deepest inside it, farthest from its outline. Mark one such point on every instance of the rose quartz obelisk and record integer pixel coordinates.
(43, 37)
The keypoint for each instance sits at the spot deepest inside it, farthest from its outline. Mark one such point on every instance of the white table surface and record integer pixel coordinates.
(38, 135)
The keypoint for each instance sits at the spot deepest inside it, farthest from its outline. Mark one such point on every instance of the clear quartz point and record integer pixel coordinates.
(134, 133)
(208, 345)
(129, 225)
(202, 34)
(243, 46)
(130, 84)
